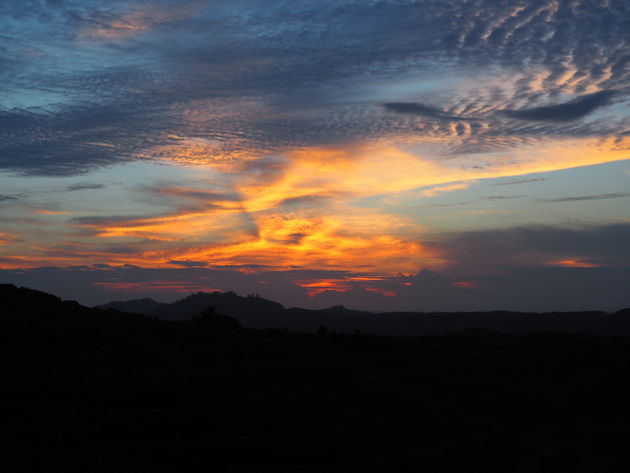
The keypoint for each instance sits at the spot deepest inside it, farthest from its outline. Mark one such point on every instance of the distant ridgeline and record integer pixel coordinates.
(257, 312)
(229, 310)
(31, 310)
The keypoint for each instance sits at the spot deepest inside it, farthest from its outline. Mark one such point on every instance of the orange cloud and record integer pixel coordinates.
(311, 214)
(201, 152)
(50, 212)
(128, 24)
(382, 292)
(187, 226)
(466, 284)
(379, 168)
(447, 188)
(319, 242)
(341, 235)
(573, 263)
(317, 286)
(6, 238)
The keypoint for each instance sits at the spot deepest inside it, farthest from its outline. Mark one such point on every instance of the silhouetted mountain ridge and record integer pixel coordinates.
(29, 314)
(137, 306)
(228, 303)
(21, 304)
(253, 311)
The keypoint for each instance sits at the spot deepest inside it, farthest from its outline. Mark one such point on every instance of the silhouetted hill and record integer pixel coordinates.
(13, 298)
(623, 313)
(136, 306)
(28, 314)
(27, 306)
(248, 310)
(342, 310)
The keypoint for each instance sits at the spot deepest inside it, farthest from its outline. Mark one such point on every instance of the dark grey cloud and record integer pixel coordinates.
(605, 245)
(442, 204)
(108, 219)
(291, 239)
(118, 249)
(7, 197)
(305, 201)
(73, 140)
(503, 197)
(195, 194)
(521, 181)
(241, 266)
(188, 264)
(586, 197)
(573, 110)
(422, 110)
(85, 186)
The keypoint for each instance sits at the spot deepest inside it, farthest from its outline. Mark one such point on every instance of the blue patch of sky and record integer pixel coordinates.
(486, 203)
(123, 191)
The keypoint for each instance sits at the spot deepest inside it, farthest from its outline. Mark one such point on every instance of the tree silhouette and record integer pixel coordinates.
(209, 318)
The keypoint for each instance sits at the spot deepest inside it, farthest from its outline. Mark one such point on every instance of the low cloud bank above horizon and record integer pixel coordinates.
(564, 269)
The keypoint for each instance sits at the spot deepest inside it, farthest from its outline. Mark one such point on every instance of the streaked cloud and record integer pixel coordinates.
(587, 197)
(446, 188)
(84, 186)
(511, 182)
(422, 110)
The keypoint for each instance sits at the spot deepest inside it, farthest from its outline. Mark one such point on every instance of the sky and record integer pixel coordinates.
(380, 154)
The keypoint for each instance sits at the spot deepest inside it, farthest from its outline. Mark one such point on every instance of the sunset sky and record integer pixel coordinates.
(381, 154)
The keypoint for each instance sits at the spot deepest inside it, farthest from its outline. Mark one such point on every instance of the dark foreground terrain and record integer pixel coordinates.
(103, 391)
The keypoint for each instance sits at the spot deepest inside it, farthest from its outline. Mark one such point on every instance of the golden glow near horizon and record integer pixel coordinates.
(326, 230)
(309, 213)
